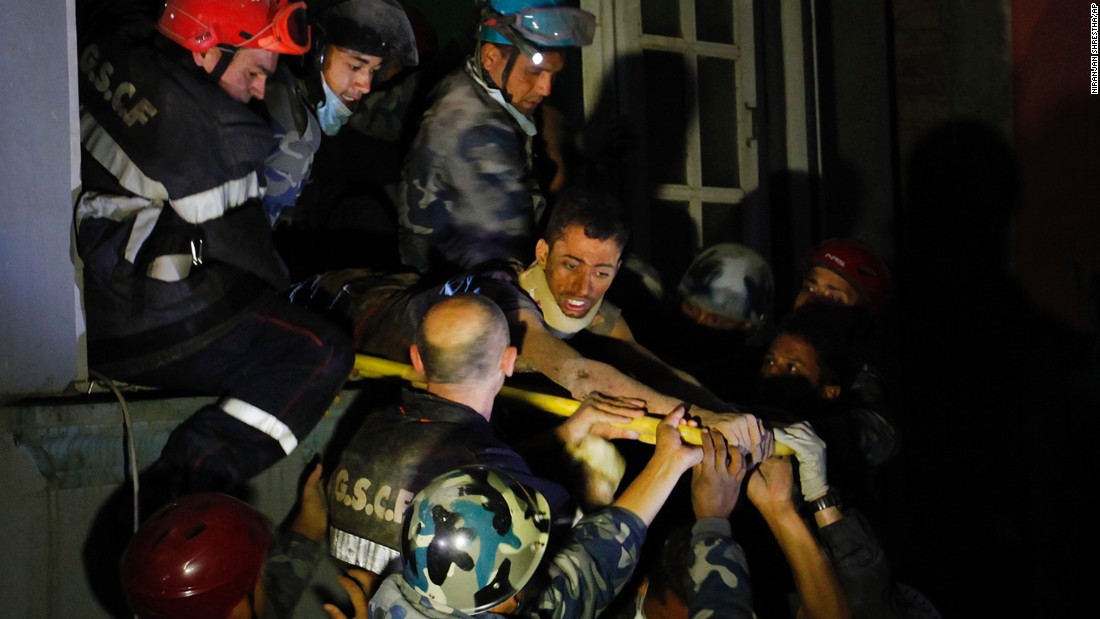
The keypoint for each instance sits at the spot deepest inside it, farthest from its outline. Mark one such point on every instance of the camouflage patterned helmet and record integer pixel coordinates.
(732, 281)
(472, 538)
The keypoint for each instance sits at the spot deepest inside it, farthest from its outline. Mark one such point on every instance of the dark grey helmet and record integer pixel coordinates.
(375, 27)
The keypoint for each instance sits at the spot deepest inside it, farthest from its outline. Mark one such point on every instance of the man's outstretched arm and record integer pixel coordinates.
(540, 351)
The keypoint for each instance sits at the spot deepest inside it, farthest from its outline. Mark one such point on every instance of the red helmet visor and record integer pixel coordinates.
(288, 32)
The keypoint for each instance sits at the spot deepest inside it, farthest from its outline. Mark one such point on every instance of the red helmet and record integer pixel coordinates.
(196, 557)
(273, 25)
(857, 264)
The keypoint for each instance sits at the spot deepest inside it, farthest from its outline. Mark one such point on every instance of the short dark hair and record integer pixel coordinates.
(600, 214)
(838, 335)
(477, 356)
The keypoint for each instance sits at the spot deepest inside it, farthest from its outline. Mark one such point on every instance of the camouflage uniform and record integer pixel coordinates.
(468, 194)
(719, 572)
(299, 135)
(287, 572)
(581, 579)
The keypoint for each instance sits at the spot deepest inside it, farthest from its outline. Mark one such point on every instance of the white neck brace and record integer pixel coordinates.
(533, 282)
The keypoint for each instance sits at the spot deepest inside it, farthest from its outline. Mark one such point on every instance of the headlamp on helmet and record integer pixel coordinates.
(548, 27)
(531, 24)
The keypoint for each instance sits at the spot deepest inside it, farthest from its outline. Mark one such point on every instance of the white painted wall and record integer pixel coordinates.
(40, 325)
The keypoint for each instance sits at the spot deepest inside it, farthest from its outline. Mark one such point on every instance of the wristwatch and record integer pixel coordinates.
(829, 499)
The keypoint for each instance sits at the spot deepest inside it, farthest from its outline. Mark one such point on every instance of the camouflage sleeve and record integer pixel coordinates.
(591, 570)
(469, 196)
(719, 572)
(299, 136)
(288, 571)
(388, 602)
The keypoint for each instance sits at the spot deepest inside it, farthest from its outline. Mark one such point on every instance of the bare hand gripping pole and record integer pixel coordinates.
(367, 366)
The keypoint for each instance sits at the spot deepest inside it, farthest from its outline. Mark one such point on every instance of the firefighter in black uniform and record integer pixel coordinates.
(181, 283)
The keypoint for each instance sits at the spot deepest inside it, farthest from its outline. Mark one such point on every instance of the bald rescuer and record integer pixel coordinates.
(462, 348)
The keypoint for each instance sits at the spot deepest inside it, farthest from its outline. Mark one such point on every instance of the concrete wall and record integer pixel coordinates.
(61, 458)
(40, 323)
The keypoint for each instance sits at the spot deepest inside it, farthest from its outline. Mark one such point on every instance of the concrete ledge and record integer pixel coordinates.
(61, 457)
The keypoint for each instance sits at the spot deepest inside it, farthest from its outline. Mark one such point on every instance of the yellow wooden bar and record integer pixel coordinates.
(367, 366)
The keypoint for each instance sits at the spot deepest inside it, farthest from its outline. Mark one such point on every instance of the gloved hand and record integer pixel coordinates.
(809, 449)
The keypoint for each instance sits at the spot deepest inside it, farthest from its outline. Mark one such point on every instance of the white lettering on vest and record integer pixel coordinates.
(121, 95)
(375, 504)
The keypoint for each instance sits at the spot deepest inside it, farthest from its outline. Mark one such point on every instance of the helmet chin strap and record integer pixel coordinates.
(224, 60)
(507, 73)
(519, 45)
(488, 79)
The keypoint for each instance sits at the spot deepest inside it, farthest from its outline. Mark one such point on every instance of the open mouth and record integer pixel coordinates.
(576, 306)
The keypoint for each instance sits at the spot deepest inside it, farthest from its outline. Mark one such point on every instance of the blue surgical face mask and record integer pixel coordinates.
(332, 113)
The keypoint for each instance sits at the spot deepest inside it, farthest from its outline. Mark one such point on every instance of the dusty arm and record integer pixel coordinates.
(540, 351)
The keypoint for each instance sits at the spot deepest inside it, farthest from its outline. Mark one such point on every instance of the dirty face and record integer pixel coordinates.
(579, 269)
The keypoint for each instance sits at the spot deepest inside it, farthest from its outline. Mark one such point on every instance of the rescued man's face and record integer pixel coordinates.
(578, 269)
(246, 77)
(528, 83)
(822, 284)
(349, 73)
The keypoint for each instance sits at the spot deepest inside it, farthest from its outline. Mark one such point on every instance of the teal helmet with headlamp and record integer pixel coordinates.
(539, 23)
(531, 25)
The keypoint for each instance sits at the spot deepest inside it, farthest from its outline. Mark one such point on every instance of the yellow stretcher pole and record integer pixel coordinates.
(367, 366)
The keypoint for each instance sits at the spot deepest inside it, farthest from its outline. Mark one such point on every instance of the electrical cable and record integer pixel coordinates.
(128, 431)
